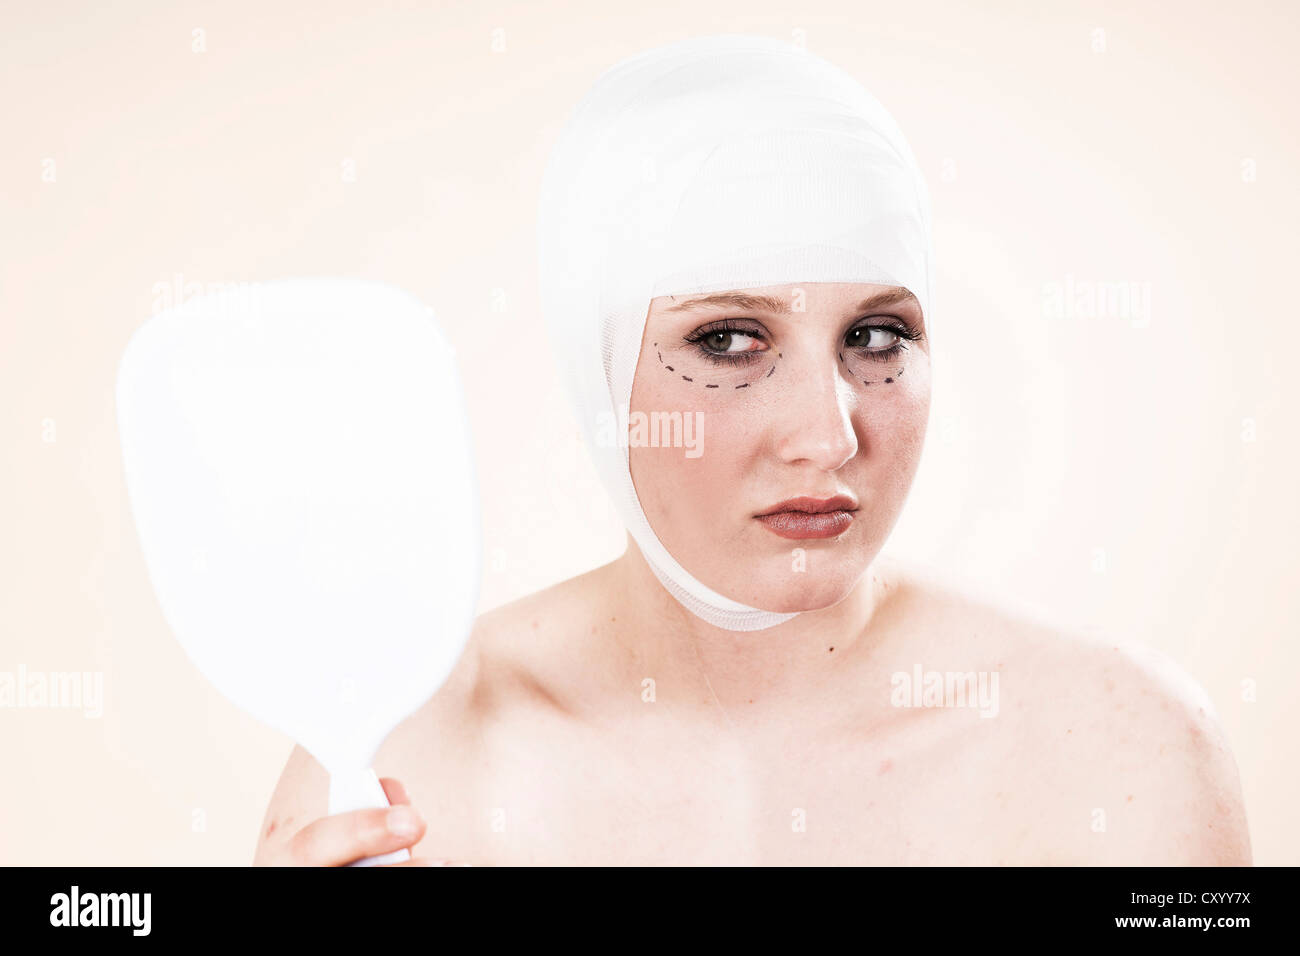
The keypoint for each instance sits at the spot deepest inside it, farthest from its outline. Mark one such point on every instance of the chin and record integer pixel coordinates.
(801, 591)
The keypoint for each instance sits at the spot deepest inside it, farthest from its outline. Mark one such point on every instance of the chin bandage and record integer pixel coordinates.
(715, 163)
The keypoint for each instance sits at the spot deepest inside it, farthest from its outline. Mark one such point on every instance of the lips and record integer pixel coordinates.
(807, 517)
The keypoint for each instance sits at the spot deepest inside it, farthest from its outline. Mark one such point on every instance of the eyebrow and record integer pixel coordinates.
(770, 303)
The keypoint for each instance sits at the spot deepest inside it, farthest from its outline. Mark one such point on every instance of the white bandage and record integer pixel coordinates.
(720, 162)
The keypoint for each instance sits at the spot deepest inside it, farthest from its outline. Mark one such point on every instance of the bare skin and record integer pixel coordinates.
(599, 722)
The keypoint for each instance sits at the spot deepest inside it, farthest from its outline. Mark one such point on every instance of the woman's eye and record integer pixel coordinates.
(729, 342)
(872, 337)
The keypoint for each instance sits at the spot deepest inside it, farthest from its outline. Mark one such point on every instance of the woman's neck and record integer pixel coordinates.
(702, 665)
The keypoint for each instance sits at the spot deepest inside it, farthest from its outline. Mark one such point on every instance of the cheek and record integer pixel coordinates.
(688, 479)
(891, 438)
(894, 410)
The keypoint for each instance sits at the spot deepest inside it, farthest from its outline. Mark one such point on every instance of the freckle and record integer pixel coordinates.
(1069, 731)
(1130, 798)
(832, 650)
(886, 765)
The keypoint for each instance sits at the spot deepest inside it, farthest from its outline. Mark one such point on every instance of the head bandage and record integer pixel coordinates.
(715, 163)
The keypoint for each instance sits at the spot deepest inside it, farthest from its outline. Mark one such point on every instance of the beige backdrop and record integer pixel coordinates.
(1125, 462)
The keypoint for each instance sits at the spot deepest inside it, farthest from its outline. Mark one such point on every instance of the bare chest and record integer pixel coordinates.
(955, 794)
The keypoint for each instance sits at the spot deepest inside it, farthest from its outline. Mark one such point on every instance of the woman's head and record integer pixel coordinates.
(734, 164)
(813, 390)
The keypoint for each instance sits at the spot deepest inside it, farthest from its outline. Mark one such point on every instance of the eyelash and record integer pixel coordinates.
(904, 334)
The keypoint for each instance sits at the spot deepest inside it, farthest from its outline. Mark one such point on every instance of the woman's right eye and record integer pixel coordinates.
(730, 341)
(728, 338)
(724, 355)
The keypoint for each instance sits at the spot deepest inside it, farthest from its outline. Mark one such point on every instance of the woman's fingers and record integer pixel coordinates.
(345, 837)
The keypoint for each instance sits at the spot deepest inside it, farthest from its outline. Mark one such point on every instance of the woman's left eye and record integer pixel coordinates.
(875, 338)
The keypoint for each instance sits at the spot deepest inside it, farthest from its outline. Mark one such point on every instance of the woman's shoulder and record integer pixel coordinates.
(530, 633)
(516, 652)
(511, 666)
(1063, 655)
(1112, 721)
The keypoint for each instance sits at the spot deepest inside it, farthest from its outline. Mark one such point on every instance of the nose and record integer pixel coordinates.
(816, 414)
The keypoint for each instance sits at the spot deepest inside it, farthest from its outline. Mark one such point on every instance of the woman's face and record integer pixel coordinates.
(758, 396)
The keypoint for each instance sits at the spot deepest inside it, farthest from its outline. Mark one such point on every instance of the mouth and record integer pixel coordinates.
(807, 517)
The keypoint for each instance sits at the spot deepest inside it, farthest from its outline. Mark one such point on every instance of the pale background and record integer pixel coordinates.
(1129, 473)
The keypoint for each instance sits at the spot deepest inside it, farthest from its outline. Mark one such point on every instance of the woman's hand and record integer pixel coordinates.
(345, 837)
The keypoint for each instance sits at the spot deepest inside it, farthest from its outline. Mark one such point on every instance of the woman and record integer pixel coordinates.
(737, 272)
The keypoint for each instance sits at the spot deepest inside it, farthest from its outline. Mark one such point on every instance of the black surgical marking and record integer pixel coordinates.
(865, 382)
(889, 380)
(899, 373)
(687, 378)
